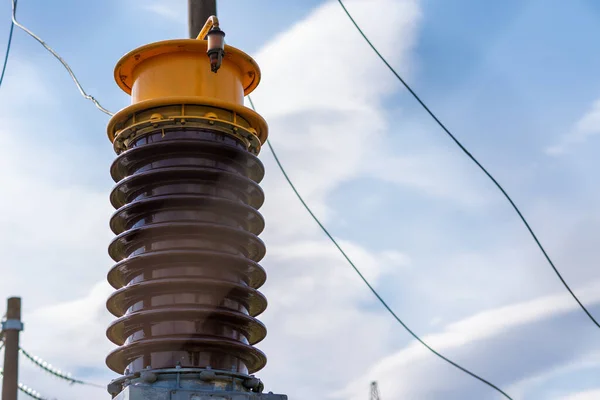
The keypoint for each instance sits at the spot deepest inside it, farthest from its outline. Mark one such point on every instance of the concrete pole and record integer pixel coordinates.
(11, 329)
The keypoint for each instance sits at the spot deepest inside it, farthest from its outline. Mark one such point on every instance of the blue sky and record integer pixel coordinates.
(514, 80)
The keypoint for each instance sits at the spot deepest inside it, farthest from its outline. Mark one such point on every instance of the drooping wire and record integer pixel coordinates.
(29, 391)
(57, 372)
(10, 36)
(59, 58)
(481, 167)
(22, 387)
(362, 277)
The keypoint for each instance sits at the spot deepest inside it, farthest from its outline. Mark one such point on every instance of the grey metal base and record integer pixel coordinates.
(150, 393)
(189, 384)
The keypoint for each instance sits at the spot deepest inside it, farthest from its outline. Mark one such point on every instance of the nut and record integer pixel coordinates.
(207, 375)
(148, 376)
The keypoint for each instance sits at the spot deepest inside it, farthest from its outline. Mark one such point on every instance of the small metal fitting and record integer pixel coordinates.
(252, 384)
(148, 376)
(207, 375)
(12, 325)
(114, 388)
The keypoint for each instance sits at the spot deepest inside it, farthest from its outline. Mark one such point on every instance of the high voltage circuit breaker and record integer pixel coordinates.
(187, 225)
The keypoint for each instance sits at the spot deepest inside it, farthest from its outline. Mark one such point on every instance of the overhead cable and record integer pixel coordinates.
(481, 167)
(59, 58)
(10, 36)
(362, 277)
(22, 387)
(57, 372)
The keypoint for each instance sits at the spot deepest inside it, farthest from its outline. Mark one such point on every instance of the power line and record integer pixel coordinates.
(58, 57)
(57, 372)
(362, 277)
(22, 387)
(485, 171)
(29, 391)
(10, 35)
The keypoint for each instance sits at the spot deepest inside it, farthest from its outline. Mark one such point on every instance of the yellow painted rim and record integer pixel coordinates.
(254, 119)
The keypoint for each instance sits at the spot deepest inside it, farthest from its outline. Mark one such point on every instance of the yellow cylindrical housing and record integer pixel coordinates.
(162, 75)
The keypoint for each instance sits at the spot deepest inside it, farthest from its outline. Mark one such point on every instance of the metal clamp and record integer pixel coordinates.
(12, 325)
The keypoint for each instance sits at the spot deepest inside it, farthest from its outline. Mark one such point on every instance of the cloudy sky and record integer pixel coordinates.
(515, 80)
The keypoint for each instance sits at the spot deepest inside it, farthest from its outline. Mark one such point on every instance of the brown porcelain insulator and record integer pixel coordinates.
(187, 253)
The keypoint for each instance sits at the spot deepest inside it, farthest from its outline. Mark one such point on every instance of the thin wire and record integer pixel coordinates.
(485, 171)
(59, 374)
(23, 388)
(362, 277)
(59, 58)
(10, 35)
(29, 391)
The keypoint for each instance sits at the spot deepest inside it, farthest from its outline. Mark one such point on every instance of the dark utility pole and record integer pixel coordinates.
(198, 13)
(11, 329)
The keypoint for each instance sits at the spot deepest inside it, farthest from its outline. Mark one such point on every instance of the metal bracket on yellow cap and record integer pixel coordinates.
(182, 116)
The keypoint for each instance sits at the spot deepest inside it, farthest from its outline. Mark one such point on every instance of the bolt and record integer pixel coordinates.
(207, 375)
(148, 376)
(114, 388)
(251, 383)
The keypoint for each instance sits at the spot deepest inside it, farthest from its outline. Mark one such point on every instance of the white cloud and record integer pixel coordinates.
(586, 127)
(168, 10)
(325, 65)
(564, 371)
(425, 172)
(476, 332)
(83, 321)
(71, 336)
(587, 395)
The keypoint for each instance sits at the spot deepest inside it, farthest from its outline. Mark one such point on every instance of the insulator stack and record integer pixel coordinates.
(187, 225)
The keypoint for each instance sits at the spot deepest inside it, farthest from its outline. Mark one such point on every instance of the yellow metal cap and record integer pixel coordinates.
(181, 68)
(179, 72)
